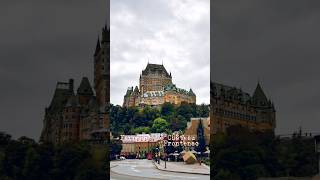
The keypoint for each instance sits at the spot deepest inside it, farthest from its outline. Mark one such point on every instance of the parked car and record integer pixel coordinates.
(122, 158)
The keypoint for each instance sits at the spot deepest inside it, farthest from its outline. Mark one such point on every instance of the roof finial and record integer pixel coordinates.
(162, 62)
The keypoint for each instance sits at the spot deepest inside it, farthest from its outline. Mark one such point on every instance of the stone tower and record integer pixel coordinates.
(154, 78)
(102, 68)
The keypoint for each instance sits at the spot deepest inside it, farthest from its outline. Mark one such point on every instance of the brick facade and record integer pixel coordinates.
(231, 106)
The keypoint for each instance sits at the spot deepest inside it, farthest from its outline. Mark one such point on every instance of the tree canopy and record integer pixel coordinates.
(135, 120)
(243, 154)
(159, 125)
(26, 159)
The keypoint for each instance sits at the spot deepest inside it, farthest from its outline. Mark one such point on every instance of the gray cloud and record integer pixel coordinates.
(276, 42)
(43, 42)
(177, 32)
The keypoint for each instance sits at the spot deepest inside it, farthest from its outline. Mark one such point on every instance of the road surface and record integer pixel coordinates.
(135, 169)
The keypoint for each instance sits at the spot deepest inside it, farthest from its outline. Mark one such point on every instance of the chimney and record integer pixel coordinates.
(71, 85)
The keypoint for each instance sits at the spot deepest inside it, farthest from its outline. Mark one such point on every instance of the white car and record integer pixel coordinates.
(122, 158)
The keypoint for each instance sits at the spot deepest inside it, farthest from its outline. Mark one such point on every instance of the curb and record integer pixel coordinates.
(205, 166)
(179, 171)
(114, 166)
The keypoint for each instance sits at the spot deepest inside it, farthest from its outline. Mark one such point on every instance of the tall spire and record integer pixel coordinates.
(105, 34)
(97, 47)
(108, 15)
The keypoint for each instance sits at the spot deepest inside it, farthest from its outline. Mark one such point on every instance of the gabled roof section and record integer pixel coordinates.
(129, 91)
(61, 94)
(85, 87)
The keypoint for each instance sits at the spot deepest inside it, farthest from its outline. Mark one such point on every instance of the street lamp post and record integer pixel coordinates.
(165, 161)
(165, 157)
(317, 149)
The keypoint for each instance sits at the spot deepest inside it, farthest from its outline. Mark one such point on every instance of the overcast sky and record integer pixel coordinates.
(42, 42)
(176, 32)
(278, 43)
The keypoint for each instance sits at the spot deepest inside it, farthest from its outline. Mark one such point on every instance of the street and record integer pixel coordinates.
(144, 169)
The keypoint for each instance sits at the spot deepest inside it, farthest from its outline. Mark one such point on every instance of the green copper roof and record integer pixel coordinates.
(191, 92)
(173, 87)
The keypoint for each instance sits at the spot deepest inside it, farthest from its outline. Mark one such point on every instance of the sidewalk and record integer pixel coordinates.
(180, 167)
(316, 177)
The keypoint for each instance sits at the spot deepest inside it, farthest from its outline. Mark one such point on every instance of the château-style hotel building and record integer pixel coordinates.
(156, 88)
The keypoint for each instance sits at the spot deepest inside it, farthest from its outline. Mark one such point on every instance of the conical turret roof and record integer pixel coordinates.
(136, 90)
(85, 87)
(191, 92)
(259, 96)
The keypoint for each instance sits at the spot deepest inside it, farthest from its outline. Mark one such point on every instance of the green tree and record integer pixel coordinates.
(2, 157)
(201, 139)
(115, 147)
(159, 125)
(202, 110)
(167, 109)
(15, 153)
(186, 111)
(31, 168)
(4, 139)
(151, 113)
(140, 130)
(67, 158)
